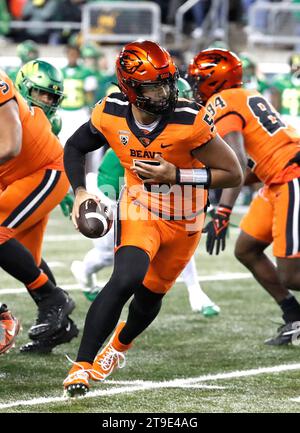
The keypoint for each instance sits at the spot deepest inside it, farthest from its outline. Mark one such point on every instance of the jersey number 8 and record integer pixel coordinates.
(267, 117)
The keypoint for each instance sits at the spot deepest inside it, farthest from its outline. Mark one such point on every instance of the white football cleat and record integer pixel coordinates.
(204, 305)
(86, 282)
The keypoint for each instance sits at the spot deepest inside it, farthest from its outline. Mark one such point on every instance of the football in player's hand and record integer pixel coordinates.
(95, 219)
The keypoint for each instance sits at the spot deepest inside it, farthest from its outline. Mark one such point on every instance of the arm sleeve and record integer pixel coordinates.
(85, 139)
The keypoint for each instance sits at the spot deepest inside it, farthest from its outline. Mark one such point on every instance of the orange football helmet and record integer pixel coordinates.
(213, 70)
(145, 63)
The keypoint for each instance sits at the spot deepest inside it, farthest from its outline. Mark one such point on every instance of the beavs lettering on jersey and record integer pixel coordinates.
(144, 153)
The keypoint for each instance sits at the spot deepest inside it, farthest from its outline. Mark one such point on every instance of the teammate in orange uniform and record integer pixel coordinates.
(160, 142)
(32, 183)
(9, 329)
(253, 128)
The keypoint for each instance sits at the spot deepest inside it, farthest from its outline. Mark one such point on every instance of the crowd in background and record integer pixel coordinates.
(87, 63)
(70, 11)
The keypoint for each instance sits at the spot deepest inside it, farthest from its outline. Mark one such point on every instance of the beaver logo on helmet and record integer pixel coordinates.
(130, 62)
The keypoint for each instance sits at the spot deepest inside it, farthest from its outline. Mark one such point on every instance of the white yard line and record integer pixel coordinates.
(222, 277)
(134, 386)
(64, 238)
(79, 237)
(56, 265)
(216, 277)
(16, 290)
(297, 399)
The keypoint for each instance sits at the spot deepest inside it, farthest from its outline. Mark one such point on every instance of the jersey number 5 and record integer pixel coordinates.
(158, 188)
(266, 116)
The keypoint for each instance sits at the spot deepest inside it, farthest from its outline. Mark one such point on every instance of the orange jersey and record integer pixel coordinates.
(40, 148)
(174, 138)
(269, 142)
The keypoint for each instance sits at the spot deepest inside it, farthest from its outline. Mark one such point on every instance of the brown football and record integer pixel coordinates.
(95, 219)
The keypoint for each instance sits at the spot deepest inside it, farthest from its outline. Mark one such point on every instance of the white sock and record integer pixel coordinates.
(198, 299)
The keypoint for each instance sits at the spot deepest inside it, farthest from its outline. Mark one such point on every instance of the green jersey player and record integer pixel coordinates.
(285, 92)
(251, 78)
(80, 84)
(41, 84)
(96, 61)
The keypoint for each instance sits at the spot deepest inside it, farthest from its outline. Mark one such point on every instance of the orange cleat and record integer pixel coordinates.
(111, 357)
(9, 329)
(76, 383)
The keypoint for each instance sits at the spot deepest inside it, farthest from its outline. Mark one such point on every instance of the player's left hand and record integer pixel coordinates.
(164, 172)
(216, 229)
(67, 205)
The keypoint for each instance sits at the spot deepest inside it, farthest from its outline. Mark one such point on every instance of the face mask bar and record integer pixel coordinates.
(49, 109)
(195, 83)
(163, 106)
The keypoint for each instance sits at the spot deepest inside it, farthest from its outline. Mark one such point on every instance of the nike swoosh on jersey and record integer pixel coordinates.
(163, 146)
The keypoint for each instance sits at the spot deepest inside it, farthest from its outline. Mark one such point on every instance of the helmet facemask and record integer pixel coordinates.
(36, 100)
(196, 83)
(159, 105)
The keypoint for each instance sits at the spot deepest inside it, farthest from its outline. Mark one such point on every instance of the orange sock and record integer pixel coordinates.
(40, 281)
(120, 347)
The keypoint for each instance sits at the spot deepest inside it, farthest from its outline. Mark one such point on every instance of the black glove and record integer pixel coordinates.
(216, 229)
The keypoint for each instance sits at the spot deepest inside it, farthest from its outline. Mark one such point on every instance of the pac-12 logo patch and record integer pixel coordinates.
(124, 137)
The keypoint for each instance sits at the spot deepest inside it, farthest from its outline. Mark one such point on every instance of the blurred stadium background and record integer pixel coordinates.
(266, 33)
(267, 36)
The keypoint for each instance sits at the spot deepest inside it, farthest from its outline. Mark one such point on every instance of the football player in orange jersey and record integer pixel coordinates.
(41, 85)
(258, 135)
(32, 183)
(9, 329)
(167, 147)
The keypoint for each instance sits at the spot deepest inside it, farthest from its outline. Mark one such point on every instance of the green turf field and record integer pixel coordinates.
(183, 363)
